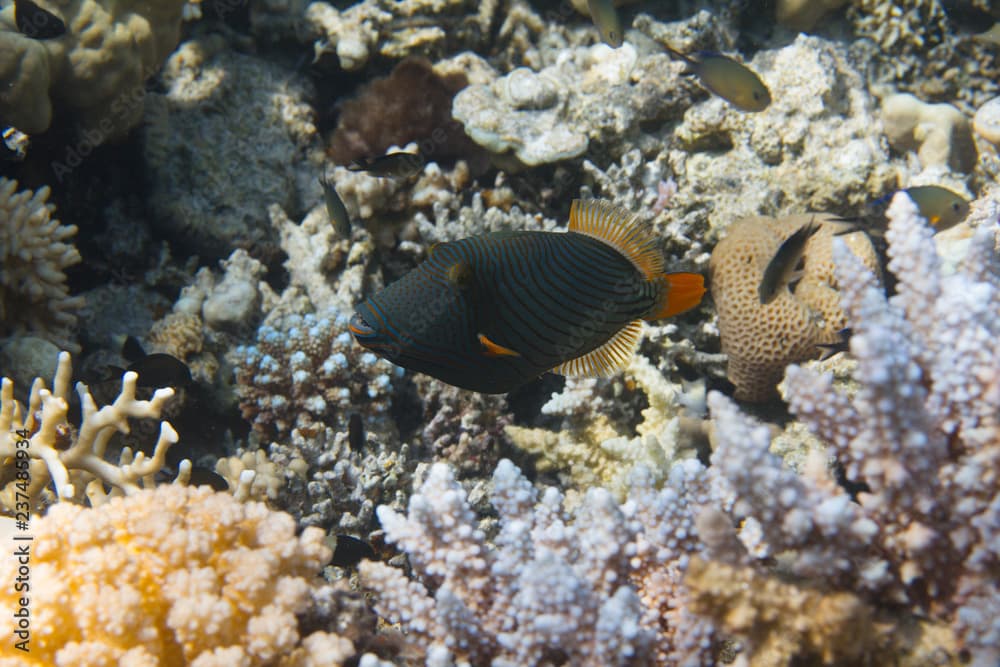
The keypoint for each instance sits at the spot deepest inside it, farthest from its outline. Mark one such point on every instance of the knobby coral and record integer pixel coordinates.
(171, 576)
(34, 251)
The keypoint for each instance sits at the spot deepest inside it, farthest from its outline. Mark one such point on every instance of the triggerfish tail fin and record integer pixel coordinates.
(619, 229)
(607, 359)
(681, 291)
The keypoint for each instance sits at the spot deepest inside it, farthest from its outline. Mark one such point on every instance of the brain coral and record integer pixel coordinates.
(96, 70)
(761, 339)
(34, 251)
(171, 576)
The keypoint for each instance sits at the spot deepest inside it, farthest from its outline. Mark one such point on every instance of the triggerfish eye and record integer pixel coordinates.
(489, 313)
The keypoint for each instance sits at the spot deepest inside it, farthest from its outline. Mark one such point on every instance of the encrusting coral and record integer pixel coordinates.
(73, 460)
(762, 339)
(35, 250)
(170, 576)
(96, 71)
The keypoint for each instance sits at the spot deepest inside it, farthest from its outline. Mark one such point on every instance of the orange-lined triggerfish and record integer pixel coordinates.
(491, 312)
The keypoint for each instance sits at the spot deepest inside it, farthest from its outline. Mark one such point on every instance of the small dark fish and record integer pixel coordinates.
(393, 165)
(201, 476)
(606, 19)
(156, 370)
(355, 432)
(730, 80)
(13, 144)
(335, 208)
(780, 270)
(349, 551)
(842, 345)
(991, 36)
(492, 312)
(132, 350)
(37, 23)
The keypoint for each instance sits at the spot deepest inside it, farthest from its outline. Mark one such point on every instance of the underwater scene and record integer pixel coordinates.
(510, 333)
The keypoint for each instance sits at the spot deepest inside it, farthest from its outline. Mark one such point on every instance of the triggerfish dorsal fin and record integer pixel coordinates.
(681, 291)
(607, 359)
(619, 229)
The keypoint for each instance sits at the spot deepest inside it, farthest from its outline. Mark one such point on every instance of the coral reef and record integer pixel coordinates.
(592, 449)
(413, 104)
(35, 250)
(986, 122)
(924, 427)
(740, 165)
(593, 94)
(555, 587)
(762, 339)
(172, 576)
(48, 449)
(804, 14)
(232, 135)
(336, 484)
(395, 30)
(96, 71)
(939, 133)
(305, 370)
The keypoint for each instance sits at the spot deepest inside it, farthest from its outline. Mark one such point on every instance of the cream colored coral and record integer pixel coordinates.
(760, 340)
(170, 576)
(939, 133)
(71, 462)
(96, 71)
(787, 623)
(34, 251)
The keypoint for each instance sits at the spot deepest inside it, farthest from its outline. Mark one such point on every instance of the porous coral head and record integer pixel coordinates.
(162, 577)
(761, 339)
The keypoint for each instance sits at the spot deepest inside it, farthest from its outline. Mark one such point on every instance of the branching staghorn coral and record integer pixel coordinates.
(34, 251)
(74, 462)
(922, 431)
(595, 587)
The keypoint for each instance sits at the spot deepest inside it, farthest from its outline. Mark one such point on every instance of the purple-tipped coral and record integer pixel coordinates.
(306, 369)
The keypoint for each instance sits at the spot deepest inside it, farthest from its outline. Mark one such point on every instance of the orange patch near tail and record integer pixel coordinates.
(682, 291)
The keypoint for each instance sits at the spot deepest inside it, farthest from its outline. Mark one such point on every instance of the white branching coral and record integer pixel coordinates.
(922, 431)
(34, 251)
(171, 576)
(38, 445)
(595, 587)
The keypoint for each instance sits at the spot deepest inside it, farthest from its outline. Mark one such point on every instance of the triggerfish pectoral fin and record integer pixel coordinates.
(491, 349)
(607, 359)
(681, 292)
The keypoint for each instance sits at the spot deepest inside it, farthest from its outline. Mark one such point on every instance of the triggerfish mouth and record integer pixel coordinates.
(489, 313)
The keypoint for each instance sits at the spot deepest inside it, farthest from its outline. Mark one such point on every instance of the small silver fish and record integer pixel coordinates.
(781, 268)
(394, 165)
(730, 80)
(335, 208)
(606, 19)
(941, 207)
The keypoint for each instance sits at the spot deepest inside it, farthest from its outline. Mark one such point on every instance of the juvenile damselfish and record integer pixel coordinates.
(491, 312)
(734, 82)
